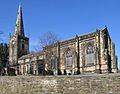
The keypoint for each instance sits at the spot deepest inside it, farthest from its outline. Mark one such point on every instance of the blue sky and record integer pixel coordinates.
(66, 18)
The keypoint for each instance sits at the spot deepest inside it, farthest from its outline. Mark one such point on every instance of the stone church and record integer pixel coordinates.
(89, 53)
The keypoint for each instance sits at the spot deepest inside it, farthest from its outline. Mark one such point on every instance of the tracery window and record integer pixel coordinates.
(69, 59)
(90, 54)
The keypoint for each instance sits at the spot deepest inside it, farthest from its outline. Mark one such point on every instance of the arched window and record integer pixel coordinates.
(69, 59)
(89, 54)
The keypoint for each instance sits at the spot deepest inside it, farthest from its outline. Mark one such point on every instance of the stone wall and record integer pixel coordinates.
(77, 84)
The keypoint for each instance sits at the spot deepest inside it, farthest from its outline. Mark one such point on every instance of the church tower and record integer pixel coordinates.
(19, 43)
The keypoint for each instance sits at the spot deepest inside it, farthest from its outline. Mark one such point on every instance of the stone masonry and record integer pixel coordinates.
(78, 84)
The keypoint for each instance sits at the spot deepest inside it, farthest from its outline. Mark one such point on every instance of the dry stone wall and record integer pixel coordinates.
(74, 84)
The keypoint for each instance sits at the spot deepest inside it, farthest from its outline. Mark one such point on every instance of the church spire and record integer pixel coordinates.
(19, 28)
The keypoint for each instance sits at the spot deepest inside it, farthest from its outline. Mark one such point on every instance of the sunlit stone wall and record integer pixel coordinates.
(78, 84)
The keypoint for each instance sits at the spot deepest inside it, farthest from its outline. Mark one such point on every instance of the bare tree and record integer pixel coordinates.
(47, 39)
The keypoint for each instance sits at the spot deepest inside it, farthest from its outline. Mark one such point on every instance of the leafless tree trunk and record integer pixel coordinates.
(47, 39)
